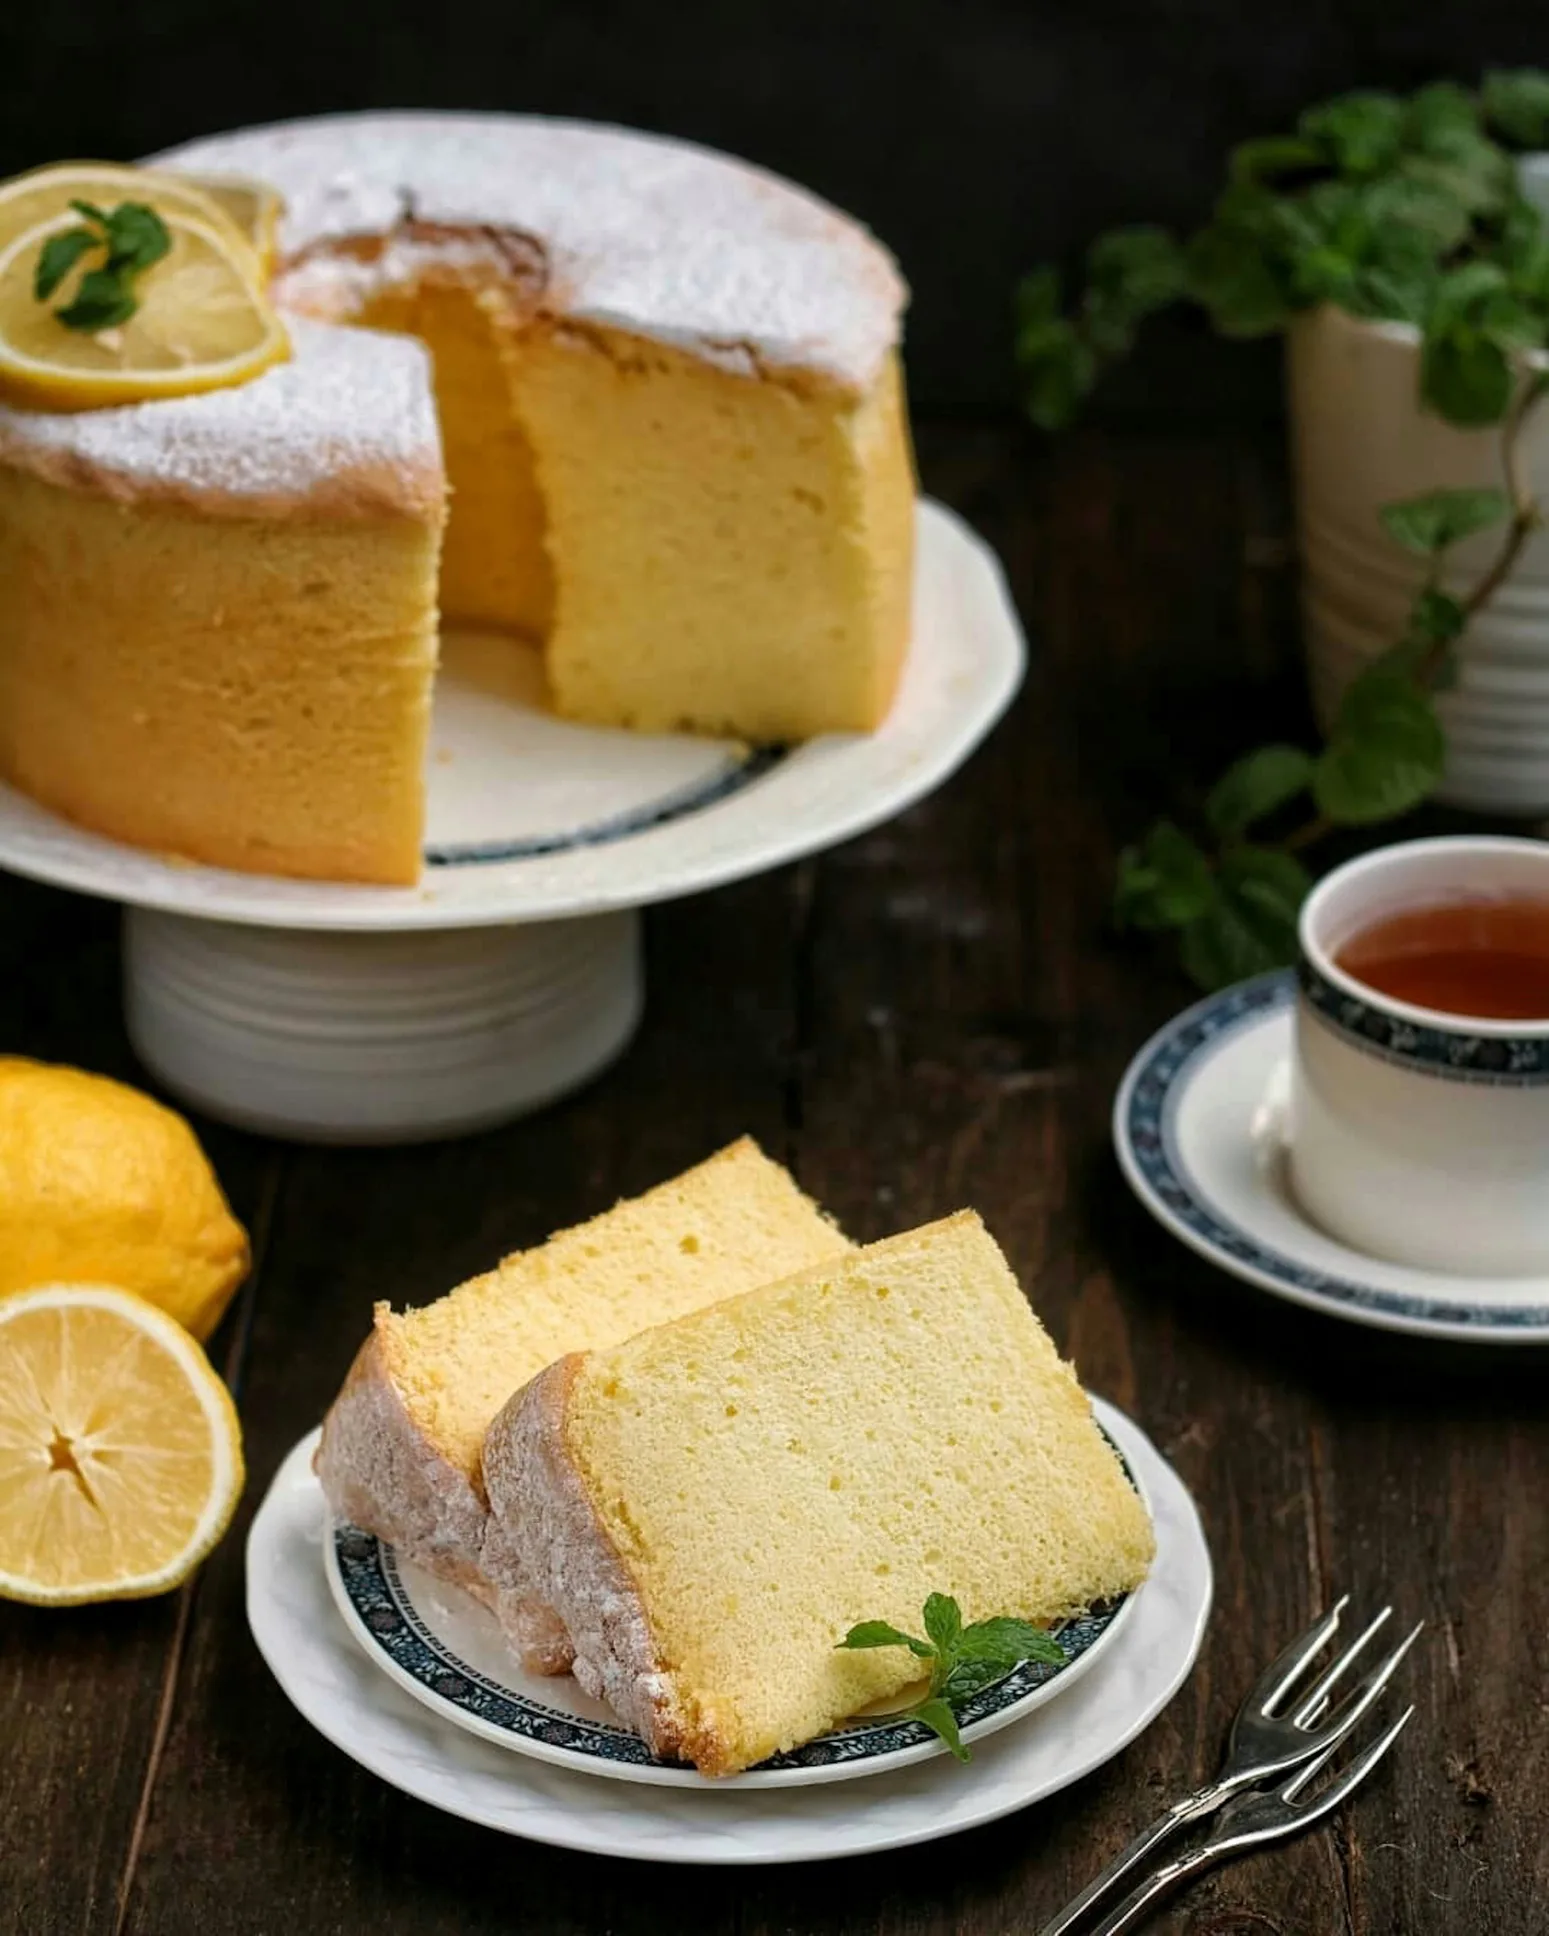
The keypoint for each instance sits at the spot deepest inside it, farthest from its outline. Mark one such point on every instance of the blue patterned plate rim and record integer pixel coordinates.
(740, 771)
(1145, 1115)
(371, 1593)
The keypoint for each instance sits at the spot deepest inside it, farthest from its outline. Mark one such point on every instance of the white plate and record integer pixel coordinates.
(445, 1649)
(531, 818)
(333, 1684)
(1199, 1126)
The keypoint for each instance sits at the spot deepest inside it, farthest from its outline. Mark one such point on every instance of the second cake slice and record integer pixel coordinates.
(709, 1507)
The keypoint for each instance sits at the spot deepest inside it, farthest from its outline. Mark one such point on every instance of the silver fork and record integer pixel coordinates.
(1266, 1740)
(1248, 1821)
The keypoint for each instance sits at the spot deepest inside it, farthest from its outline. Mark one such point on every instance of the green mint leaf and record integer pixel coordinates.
(1523, 247)
(1386, 752)
(1462, 288)
(1441, 118)
(1429, 523)
(878, 1633)
(1233, 939)
(1233, 274)
(1164, 882)
(1058, 370)
(1255, 786)
(1516, 102)
(939, 1718)
(1266, 887)
(1324, 275)
(1361, 132)
(1437, 620)
(971, 1677)
(1131, 273)
(1142, 268)
(1510, 323)
(137, 237)
(1464, 377)
(58, 257)
(1274, 155)
(1037, 298)
(1005, 1642)
(943, 1622)
(1415, 207)
(102, 301)
(1398, 296)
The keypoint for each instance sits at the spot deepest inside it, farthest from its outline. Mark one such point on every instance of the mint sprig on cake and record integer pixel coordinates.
(963, 1660)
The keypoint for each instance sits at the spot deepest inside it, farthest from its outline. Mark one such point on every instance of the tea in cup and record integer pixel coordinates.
(1420, 1076)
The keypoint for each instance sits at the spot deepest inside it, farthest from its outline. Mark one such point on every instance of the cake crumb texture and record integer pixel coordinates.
(401, 1449)
(770, 1471)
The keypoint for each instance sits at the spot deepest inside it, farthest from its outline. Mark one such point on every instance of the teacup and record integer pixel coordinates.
(1416, 1135)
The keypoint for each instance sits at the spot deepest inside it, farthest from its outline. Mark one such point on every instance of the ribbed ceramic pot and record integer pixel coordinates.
(1359, 441)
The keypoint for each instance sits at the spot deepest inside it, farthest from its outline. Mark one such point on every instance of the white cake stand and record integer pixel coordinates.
(512, 972)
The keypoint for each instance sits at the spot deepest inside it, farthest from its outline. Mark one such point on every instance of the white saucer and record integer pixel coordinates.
(446, 1650)
(333, 1684)
(1199, 1126)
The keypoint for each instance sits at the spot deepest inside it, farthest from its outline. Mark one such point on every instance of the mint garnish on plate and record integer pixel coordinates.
(963, 1660)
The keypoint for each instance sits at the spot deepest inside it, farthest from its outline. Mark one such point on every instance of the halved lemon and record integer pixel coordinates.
(249, 211)
(201, 323)
(120, 1451)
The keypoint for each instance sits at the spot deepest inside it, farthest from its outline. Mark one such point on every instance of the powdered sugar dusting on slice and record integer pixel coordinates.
(655, 237)
(350, 418)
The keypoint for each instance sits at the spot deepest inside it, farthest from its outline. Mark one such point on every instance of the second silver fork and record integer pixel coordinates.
(1273, 1733)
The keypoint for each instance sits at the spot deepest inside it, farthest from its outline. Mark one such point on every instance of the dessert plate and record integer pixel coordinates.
(446, 1650)
(332, 1683)
(531, 818)
(1199, 1125)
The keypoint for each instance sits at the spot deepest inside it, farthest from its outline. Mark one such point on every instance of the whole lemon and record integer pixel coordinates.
(100, 1184)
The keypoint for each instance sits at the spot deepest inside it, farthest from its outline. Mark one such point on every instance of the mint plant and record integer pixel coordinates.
(1401, 209)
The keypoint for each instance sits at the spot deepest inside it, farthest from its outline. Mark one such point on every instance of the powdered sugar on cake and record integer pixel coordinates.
(653, 237)
(349, 424)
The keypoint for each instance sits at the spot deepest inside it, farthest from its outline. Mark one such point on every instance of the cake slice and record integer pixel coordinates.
(219, 612)
(400, 1447)
(708, 1507)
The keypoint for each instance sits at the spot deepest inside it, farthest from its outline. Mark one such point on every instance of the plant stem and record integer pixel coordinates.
(1525, 520)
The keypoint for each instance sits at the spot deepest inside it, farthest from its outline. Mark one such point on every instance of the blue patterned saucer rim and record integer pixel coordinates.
(378, 1605)
(1146, 1141)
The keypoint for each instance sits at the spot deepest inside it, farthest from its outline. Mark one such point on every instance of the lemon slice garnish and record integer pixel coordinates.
(252, 206)
(120, 1451)
(248, 210)
(201, 323)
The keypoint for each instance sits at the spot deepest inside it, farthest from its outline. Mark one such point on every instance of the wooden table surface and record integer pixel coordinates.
(931, 1016)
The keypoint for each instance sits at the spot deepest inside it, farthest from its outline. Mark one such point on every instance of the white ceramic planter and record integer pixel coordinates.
(1359, 441)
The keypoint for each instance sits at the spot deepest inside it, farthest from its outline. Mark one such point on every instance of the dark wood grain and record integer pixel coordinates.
(932, 1015)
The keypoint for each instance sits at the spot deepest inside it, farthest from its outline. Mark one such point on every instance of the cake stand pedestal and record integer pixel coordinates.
(378, 1038)
(511, 972)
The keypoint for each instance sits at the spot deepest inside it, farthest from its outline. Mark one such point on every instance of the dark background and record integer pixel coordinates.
(975, 136)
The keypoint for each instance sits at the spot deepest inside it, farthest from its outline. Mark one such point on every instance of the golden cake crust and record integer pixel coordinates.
(558, 1570)
(379, 1472)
